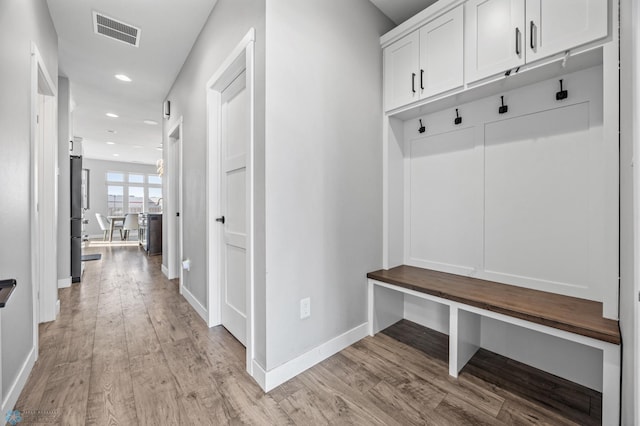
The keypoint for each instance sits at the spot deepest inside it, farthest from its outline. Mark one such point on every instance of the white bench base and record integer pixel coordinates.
(386, 307)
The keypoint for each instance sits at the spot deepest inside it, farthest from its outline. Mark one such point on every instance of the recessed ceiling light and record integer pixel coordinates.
(116, 155)
(150, 122)
(111, 131)
(111, 143)
(112, 115)
(123, 77)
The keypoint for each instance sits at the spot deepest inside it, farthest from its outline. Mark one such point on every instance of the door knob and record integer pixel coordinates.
(220, 219)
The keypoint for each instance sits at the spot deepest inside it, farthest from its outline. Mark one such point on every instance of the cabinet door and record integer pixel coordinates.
(401, 72)
(554, 26)
(494, 36)
(442, 54)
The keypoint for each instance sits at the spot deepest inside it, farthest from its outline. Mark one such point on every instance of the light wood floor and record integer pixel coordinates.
(127, 349)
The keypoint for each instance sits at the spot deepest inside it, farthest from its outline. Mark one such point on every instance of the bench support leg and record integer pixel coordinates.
(386, 307)
(611, 385)
(464, 338)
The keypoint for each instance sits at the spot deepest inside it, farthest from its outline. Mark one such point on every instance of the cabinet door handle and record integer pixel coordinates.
(531, 39)
(422, 79)
(517, 41)
(220, 219)
(413, 82)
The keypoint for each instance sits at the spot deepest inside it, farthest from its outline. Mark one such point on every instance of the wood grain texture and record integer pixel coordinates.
(127, 349)
(571, 314)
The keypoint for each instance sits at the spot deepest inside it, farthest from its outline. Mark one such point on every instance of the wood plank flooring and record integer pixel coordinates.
(127, 350)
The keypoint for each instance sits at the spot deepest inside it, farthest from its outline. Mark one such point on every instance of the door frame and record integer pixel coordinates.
(240, 59)
(44, 198)
(174, 204)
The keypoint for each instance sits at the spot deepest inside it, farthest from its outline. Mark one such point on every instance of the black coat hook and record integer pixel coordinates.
(458, 119)
(422, 129)
(562, 94)
(503, 108)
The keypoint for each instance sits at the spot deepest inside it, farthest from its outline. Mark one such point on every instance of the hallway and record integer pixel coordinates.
(127, 349)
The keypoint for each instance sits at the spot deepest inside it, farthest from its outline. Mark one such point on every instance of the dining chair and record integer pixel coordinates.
(130, 224)
(104, 225)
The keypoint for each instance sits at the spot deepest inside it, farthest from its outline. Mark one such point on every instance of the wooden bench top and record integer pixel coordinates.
(567, 313)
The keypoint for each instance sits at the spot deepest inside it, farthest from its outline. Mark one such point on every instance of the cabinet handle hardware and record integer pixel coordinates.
(422, 79)
(458, 119)
(220, 219)
(422, 129)
(413, 82)
(517, 41)
(532, 27)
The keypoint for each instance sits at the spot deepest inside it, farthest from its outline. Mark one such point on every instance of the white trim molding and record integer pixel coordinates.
(64, 282)
(165, 272)
(271, 379)
(9, 400)
(195, 304)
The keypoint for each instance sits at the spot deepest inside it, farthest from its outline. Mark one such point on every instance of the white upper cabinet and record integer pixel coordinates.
(455, 43)
(494, 37)
(441, 54)
(554, 26)
(426, 62)
(401, 71)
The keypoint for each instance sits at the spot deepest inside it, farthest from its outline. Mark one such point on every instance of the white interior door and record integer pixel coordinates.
(235, 122)
(175, 203)
(177, 190)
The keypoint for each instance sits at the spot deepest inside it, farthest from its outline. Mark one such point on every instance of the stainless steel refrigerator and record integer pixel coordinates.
(76, 218)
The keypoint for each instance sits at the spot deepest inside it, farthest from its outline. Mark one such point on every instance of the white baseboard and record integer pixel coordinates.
(271, 379)
(64, 282)
(9, 401)
(195, 304)
(165, 271)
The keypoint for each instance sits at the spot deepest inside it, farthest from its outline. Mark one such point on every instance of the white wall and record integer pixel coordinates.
(228, 23)
(323, 178)
(65, 134)
(98, 186)
(629, 208)
(21, 23)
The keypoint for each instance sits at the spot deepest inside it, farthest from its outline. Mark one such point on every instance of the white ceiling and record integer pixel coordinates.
(168, 30)
(90, 61)
(401, 10)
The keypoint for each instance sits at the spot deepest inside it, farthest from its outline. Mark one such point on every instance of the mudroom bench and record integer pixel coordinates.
(469, 299)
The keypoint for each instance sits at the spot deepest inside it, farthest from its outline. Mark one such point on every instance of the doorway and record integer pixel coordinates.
(230, 195)
(44, 193)
(174, 195)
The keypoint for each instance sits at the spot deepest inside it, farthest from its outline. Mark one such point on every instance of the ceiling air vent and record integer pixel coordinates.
(117, 30)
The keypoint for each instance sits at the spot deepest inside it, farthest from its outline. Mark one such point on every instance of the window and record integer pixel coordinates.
(133, 193)
(136, 199)
(136, 178)
(115, 177)
(115, 200)
(154, 201)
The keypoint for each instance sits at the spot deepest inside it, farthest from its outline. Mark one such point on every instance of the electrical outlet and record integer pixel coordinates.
(305, 308)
